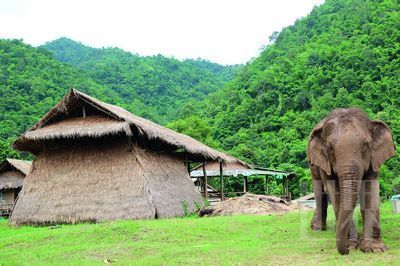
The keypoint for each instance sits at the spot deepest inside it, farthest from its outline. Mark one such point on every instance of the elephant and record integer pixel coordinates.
(345, 151)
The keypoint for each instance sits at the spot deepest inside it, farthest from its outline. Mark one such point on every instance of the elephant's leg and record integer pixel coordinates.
(371, 234)
(334, 195)
(352, 239)
(319, 220)
(332, 186)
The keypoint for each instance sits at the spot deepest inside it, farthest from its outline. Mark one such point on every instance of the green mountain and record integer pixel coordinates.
(344, 53)
(160, 85)
(31, 82)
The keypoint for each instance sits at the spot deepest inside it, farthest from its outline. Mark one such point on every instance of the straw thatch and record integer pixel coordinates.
(97, 162)
(12, 173)
(20, 165)
(100, 180)
(50, 127)
(78, 127)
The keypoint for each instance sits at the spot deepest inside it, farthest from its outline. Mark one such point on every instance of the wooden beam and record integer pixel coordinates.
(130, 144)
(188, 166)
(287, 186)
(266, 184)
(283, 187)
(221, 177)
(205, 181)
(245, 184)
(93, 104)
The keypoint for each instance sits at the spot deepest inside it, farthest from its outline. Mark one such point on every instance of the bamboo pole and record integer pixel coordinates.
(287, 186)
(245, 184)
(130, 143)
(188, 166)
(205, 181)
(283, 186)
(221, 176)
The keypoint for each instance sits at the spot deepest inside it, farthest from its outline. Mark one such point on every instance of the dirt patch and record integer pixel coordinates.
(249, 204)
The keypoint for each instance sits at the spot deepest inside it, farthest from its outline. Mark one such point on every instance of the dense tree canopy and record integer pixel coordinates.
(344, 54)
(32, 80)
(155, 87)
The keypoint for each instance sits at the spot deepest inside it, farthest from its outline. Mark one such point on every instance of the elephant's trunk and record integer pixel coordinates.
(349, 187)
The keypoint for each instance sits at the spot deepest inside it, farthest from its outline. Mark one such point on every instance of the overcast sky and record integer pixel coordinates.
(222, 31)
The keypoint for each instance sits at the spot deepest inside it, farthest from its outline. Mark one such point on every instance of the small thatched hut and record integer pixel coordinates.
(12, 175)
(96, 161)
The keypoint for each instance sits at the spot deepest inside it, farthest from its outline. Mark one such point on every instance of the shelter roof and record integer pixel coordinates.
(60, 123)
(235, 169)
(10, 180)
(20, 165)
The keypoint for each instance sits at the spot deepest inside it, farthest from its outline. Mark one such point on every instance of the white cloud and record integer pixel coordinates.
(223, 31)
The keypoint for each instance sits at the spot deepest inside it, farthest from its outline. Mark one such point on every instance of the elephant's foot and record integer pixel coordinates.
(368, 246)
(352, 244)
(317, 224)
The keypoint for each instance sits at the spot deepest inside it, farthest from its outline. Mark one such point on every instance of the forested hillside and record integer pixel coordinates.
(31, 82)
(160, 86)
(345, 53)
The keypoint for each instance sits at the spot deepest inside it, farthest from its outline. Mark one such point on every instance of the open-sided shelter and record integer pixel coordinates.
(12, 175)
(96, 161)
(202, 172)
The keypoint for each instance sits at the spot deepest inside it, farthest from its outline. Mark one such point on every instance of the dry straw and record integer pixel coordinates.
(123, 122)
(98, 162)
(99, 182)
(12, 173)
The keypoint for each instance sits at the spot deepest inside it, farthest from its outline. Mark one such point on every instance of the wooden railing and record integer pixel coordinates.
(5, 209)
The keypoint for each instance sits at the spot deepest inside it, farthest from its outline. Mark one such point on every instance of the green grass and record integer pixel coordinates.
(246, 240)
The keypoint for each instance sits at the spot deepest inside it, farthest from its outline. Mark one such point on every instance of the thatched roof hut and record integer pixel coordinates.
(96, 161)
(12, 175)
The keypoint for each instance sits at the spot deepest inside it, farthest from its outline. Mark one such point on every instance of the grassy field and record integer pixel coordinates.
(250, 240)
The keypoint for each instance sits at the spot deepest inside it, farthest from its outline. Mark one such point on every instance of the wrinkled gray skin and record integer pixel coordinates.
(345, 151)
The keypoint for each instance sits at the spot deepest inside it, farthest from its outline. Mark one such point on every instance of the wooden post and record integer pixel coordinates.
(287, 186)
(188, 166)
(245, 184)
(130, 144)
(283, 186)
(266, 184)
(205, 181)
(83, 111)
(221, 177)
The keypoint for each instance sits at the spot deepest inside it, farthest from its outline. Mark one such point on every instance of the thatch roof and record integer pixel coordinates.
(21, 165)
(101, 181)
(12, 173)
(62, 121)
(76, 127)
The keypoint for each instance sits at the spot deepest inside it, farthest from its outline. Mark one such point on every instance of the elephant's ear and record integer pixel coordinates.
(316, 152)
(382, 144)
